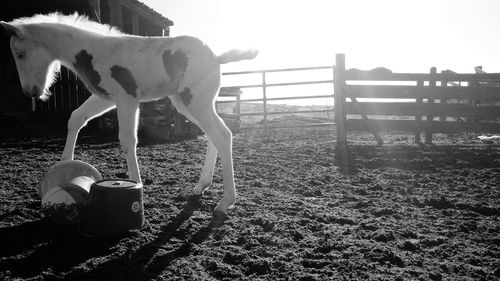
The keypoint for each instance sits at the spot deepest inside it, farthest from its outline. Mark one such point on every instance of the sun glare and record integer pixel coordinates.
(401, 35)
(288, 33)
(404, 36)
(306, 33)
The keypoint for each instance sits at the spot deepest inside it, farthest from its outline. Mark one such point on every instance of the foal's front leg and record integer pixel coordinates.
(128, 116)
(91, 108)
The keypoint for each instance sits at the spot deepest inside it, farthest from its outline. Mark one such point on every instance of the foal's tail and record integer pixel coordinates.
(236, 55)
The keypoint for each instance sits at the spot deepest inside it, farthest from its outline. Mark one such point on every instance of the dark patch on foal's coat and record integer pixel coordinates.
(125, 78)
(175, 64)
(84, 68)
(186, 96)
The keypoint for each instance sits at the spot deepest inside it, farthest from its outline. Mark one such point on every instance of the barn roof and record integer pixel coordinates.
(150, 13)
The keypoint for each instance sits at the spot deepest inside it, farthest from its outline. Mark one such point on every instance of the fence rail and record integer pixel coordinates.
(425, 92)
(265, 86)
(382, 74)
(412, 126)
(426, 109)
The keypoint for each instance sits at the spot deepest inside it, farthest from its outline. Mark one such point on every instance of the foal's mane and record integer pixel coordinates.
(75, 20)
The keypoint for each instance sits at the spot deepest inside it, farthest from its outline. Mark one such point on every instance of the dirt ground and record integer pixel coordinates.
(407, 212)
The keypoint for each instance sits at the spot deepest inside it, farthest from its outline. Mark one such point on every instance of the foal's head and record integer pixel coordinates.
(35, 65)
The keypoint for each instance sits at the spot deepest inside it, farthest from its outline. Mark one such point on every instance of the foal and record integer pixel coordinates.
(123, 70)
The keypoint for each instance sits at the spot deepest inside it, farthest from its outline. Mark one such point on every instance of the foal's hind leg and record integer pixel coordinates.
(207, 173)
(91, 108)
(219, 137)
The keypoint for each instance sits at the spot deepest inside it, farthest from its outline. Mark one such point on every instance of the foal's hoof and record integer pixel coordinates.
(218, 219)
(201, 188)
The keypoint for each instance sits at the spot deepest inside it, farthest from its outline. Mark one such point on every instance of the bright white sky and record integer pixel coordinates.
(402, 35)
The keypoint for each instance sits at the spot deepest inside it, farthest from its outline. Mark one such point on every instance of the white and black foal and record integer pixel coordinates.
(123, 70)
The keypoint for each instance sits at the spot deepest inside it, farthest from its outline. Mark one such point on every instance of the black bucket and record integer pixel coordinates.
(114, 206)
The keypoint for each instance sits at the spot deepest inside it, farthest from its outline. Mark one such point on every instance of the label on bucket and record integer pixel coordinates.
(136, 207)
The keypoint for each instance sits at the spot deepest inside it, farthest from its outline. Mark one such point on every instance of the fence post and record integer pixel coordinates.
(428, 132)
(444, 83)
(473, 83)
(72, 92)
(33, 104)
(342, 153)
(339, 101)
(418, 118)
(64, 97)
(264, 97)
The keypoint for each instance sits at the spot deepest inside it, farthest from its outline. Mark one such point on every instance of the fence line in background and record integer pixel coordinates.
(264, 85)
(439, 102)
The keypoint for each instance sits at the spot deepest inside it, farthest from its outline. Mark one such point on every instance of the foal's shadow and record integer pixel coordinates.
(31, 248)
(148, 262)
(156, 262)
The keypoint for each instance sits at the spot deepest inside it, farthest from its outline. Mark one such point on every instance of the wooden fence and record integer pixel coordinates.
(265, 85)
(443, 102)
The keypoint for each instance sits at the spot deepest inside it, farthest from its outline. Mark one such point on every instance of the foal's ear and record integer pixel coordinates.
(10, 30)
